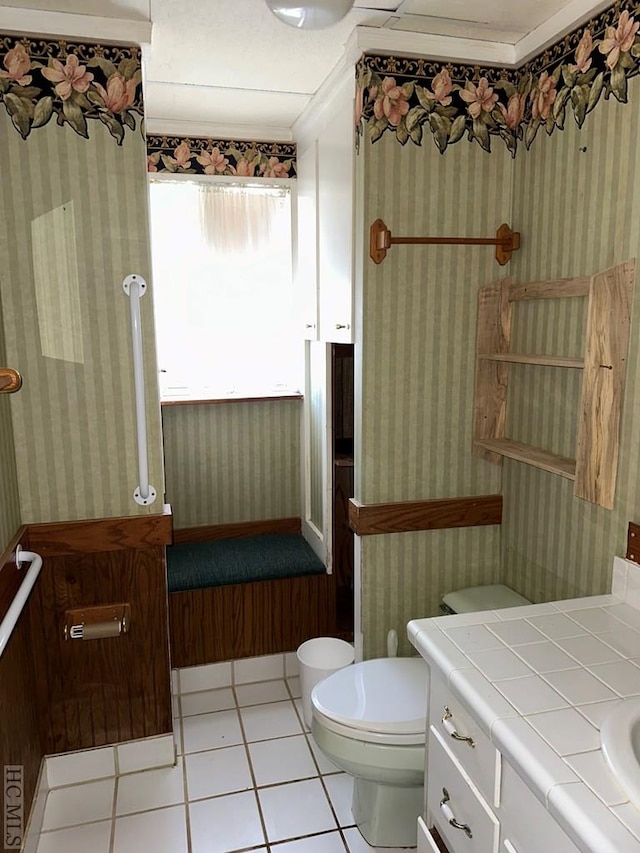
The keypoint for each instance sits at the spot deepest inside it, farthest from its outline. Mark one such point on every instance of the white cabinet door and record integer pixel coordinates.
(307, 243)
(317, 521)
(527, 825)
(336, 160)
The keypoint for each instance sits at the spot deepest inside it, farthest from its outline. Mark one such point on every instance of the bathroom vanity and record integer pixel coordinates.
(517, 700)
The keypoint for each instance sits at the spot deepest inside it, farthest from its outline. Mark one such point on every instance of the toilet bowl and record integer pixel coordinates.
(370, 720)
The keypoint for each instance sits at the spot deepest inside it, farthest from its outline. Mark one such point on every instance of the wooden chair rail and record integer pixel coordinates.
(407, 516)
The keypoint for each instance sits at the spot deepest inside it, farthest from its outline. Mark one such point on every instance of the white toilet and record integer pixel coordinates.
(490, 597)
(370, 720)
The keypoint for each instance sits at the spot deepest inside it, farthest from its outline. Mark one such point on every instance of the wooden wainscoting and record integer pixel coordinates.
(96, 692)
(20, 734)
(249, 619)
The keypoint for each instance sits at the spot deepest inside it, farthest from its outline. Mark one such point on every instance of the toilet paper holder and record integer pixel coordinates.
(97, 623)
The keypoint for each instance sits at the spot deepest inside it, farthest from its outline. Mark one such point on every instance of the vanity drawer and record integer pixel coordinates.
(459, 812)
(426, 844)
(466, 740)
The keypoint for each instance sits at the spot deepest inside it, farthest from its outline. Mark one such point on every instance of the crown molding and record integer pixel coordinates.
(312, 118)
(72, 26)
(213, 130)
(436, 47)
(556, 27)
(443, 49)
(399, 43)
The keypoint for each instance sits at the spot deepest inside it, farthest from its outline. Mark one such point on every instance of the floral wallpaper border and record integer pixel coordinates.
(206, 156)
(405, 96)
(73, 82)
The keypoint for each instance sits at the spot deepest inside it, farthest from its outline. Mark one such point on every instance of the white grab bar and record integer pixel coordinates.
(15, 609)
(135, 287)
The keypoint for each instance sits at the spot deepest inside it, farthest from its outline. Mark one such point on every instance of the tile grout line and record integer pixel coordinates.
(185, 784)
(266, 845)
(116, 765)
(245, 744)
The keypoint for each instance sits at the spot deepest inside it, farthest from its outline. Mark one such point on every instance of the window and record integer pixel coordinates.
(226, 323)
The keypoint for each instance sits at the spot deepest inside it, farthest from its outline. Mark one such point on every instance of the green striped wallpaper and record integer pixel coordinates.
(74, 421)
(577, 203)
(9, 499)
(404, 576)
(417, 335)
(232, 462)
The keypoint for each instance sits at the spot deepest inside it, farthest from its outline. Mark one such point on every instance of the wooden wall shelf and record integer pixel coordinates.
(603, 375)
(536, 456)
(542, 360)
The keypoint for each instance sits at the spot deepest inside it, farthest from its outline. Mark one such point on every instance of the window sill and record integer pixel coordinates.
(183, 401)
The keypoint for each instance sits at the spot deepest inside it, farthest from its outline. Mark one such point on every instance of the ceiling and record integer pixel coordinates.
(229, 67)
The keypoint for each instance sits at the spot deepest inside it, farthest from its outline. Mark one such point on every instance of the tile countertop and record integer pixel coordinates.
(540, 680)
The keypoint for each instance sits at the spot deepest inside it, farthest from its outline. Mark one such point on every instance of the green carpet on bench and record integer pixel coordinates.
(196, 565)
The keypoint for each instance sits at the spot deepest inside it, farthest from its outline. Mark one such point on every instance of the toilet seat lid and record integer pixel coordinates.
(385, 696)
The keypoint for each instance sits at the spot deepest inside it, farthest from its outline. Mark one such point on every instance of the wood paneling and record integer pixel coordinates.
(248, 619)
(95, 692)
(210, 532)
(20, 736)
(57, 695)
(633, 542)
(10, 579)
(103, 534)
(407, 516)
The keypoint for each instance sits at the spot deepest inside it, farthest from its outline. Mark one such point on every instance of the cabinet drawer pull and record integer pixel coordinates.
(450, 729)
(342, 326)
(447, 811)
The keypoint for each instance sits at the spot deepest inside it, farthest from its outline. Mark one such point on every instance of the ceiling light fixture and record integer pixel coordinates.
(311, 16)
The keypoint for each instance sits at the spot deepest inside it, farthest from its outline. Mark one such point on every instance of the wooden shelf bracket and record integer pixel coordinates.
(506, 242)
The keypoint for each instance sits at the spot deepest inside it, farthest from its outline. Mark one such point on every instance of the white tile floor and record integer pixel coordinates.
(248, 777)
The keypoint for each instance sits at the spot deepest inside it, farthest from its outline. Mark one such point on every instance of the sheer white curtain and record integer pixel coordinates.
(239, 219)
(225, 311)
